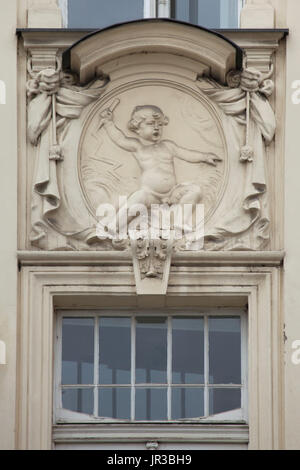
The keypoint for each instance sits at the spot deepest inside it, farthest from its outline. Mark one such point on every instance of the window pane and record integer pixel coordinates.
(224, 350)
(114, 403)
(187, 403)
(224, 399)
(151, 350)
(208, 13)
(188, 350)
(78, 351)
(151, 404)
(101, 13)
(79, 400)
(114, 350)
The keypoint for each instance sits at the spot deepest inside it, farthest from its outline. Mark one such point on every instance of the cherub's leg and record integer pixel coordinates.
(139, 197)
(190, 194)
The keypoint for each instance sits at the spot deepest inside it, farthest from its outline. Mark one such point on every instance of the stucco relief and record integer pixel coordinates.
(154, 141)
(152, 154)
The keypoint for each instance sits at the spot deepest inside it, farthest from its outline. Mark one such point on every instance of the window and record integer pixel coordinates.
(102, 13)
(211, 14)
(147, 367)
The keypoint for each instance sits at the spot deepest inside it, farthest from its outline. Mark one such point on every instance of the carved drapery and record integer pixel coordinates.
(54, 100)
(232, 231)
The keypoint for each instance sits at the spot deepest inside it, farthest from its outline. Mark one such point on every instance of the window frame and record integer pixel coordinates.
(60, 280)
(238, 416)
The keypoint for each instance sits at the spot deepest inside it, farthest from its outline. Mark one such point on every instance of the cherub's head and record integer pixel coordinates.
(147, 121)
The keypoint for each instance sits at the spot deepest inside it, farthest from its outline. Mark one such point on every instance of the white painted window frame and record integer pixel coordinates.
(149, 8)
(63, 416)
(240, 7)
(63, 4)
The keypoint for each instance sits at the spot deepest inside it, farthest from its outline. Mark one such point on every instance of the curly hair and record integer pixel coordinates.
(138, 115)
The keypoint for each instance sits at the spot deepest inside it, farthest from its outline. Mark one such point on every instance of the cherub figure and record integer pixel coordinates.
(155, 157)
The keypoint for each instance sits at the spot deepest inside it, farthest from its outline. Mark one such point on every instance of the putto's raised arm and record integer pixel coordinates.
(194, 156)
(115, 134)
(119, 138)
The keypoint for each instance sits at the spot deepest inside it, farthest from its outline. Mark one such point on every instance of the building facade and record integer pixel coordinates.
(117, 329)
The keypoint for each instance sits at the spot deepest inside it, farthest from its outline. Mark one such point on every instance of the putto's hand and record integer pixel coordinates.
(106, 115)
(212, 159)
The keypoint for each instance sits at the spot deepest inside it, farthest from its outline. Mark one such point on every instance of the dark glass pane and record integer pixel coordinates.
(151, 350)
(115, 350)
(101, 13)
(224, 399)
(114, 403)
(151, 404)
(187, 403)
(208, 13)
(77, 351)
(79, 400)
(188, 350)
(224, 350)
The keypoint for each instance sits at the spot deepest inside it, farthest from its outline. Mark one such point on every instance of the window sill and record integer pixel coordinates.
(142, 432)
(230, 417)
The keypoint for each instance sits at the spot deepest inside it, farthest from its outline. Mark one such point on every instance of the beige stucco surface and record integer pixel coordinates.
(8, 217)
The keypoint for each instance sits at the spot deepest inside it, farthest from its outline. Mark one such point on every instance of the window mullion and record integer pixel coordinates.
(206, 366)
(58, 375)
(149, 8)
(96, 366)
(133, 362)
(244, 365)
(169, 367)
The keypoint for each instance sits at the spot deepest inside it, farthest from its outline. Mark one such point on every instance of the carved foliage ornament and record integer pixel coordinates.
(127, 144)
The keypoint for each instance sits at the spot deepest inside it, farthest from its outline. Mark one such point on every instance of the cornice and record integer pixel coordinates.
(65, 37)
(121, 258)
(44, 44)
